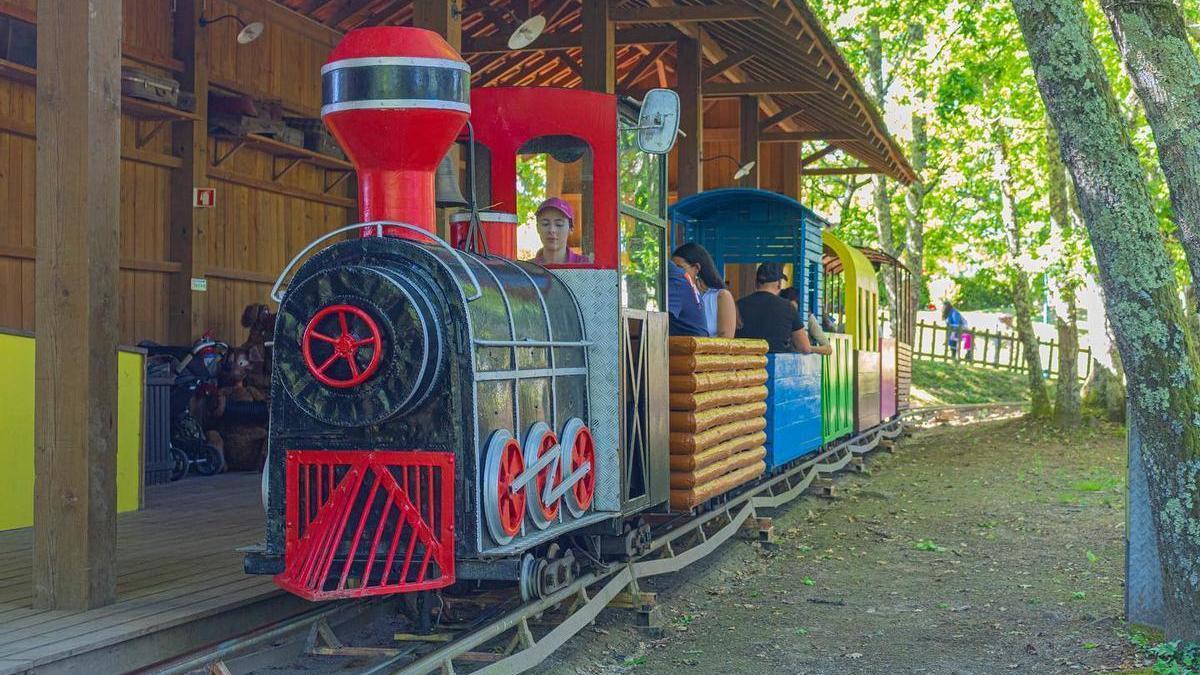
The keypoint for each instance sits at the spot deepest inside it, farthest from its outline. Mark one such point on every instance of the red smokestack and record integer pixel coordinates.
(395, 98)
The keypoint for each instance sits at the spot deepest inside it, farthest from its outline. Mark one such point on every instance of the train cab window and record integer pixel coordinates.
(643, 244)
(555, 167)
(641, 179)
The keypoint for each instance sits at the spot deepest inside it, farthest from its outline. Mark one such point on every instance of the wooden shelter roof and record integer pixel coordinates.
(774, 48)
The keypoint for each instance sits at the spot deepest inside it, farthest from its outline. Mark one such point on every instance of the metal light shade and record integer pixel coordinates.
(744, 170)
(529, 30)
(250, 33)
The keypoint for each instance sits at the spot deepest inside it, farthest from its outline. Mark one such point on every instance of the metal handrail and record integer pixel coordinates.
(379, 225)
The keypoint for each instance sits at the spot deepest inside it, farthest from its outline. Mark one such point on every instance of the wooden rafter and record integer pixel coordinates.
(645, 66)
(757, 88)
(798, 136)
(498, 44)
(840, 171)
(809, 159)
(684, 14)
(784, 114)
(728, 62)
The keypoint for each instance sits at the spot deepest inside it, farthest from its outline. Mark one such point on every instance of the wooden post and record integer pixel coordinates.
(789, 157)
(444, 18)
(748, 136)
(689, 64)
(185, 307)
(599, 64)
(78, 229)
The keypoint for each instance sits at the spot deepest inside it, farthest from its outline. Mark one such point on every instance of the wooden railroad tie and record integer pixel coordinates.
(824, 487)
(760, 529)
(642, 602)
(858, 464)
(887, 445)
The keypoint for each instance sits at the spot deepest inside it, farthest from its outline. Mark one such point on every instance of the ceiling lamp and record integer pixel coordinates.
(249, 32)
(742, 171)
(524, 33)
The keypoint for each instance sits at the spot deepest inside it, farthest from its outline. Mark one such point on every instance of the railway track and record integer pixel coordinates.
(522, 634)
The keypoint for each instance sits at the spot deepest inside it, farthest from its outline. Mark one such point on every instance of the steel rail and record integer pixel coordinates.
(736, 511)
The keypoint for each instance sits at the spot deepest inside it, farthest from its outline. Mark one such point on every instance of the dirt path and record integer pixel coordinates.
(990, 548)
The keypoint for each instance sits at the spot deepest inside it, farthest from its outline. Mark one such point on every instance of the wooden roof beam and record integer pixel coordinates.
(799, 136)
(840, 171)
(756, 88)
(809, 159)
(726, 63)
(684, 14)
(785, 114)
(646, 65)
(498, 44)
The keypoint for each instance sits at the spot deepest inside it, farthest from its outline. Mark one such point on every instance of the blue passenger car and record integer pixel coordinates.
(747, 226)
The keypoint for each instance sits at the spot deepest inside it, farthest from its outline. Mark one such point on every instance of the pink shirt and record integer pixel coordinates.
(573, 258)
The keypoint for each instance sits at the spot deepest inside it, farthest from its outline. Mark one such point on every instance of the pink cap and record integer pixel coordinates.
(556, 203)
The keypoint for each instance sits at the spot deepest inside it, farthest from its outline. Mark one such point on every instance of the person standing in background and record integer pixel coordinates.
(955, 325)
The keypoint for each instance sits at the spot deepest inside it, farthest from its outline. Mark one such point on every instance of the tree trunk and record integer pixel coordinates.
(1158, 352)
(914, 203)
(1066, 399)
(1065, 272)
(881, 196)
(1154, 44)
(1019, 279)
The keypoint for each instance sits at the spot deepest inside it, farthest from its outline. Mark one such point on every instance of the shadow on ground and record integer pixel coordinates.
(988, 548)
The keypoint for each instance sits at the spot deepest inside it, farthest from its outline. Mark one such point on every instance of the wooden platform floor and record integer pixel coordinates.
(176, 563)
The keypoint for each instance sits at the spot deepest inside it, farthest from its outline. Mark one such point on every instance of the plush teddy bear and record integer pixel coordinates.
(241, 424)
(260, 321)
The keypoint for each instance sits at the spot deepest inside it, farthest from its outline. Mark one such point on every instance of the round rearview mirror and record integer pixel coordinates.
(250, 33)
(658, 123)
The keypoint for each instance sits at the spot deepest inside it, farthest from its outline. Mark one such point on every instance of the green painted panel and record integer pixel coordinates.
(837, 388)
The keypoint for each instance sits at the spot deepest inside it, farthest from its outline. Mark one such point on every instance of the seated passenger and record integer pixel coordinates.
(720, 311)
(766, 316)
(683, 302)
(792, 295)
(555, 220)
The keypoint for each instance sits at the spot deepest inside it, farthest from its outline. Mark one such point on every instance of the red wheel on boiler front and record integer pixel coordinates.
(579, 455)
(335, 342)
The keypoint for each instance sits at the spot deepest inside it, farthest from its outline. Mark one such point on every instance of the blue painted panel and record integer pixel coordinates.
(793, 407)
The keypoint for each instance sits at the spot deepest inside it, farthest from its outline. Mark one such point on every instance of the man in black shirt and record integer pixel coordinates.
(766, 316)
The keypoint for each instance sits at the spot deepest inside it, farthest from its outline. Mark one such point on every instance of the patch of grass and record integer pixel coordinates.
(1078, 595)
(950, 383)
(928, 545)
(634, 662)
(808, 581)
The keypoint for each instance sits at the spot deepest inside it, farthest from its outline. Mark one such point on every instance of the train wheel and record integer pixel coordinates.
(504, 508)
(578, 450)
(538, 442)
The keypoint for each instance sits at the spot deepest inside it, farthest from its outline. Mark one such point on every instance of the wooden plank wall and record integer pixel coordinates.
(257, 224)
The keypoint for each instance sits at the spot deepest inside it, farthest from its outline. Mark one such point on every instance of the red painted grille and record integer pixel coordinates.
(368, 523)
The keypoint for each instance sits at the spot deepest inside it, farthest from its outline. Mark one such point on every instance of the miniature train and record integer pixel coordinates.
(442, 415)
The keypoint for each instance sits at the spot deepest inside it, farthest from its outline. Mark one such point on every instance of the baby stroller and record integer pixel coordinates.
(194, 370)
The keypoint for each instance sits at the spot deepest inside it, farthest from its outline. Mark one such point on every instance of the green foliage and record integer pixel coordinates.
(1171, 658)
(928, 545)
(963, 68)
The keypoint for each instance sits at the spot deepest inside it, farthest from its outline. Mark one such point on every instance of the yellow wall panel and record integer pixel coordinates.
(16, 430)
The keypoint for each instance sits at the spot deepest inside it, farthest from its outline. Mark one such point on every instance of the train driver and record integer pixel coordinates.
(766, 316)
(555, 220)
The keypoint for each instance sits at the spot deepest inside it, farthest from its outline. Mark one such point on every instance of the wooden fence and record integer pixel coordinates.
(996, 349)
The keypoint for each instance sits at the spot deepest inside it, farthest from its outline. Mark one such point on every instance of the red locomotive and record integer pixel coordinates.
(438, 414)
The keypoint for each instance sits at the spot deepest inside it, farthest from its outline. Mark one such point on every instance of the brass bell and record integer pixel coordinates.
(446, 186)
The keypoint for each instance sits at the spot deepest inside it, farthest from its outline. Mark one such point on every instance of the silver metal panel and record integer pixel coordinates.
(598, 295)
(1143, 576)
